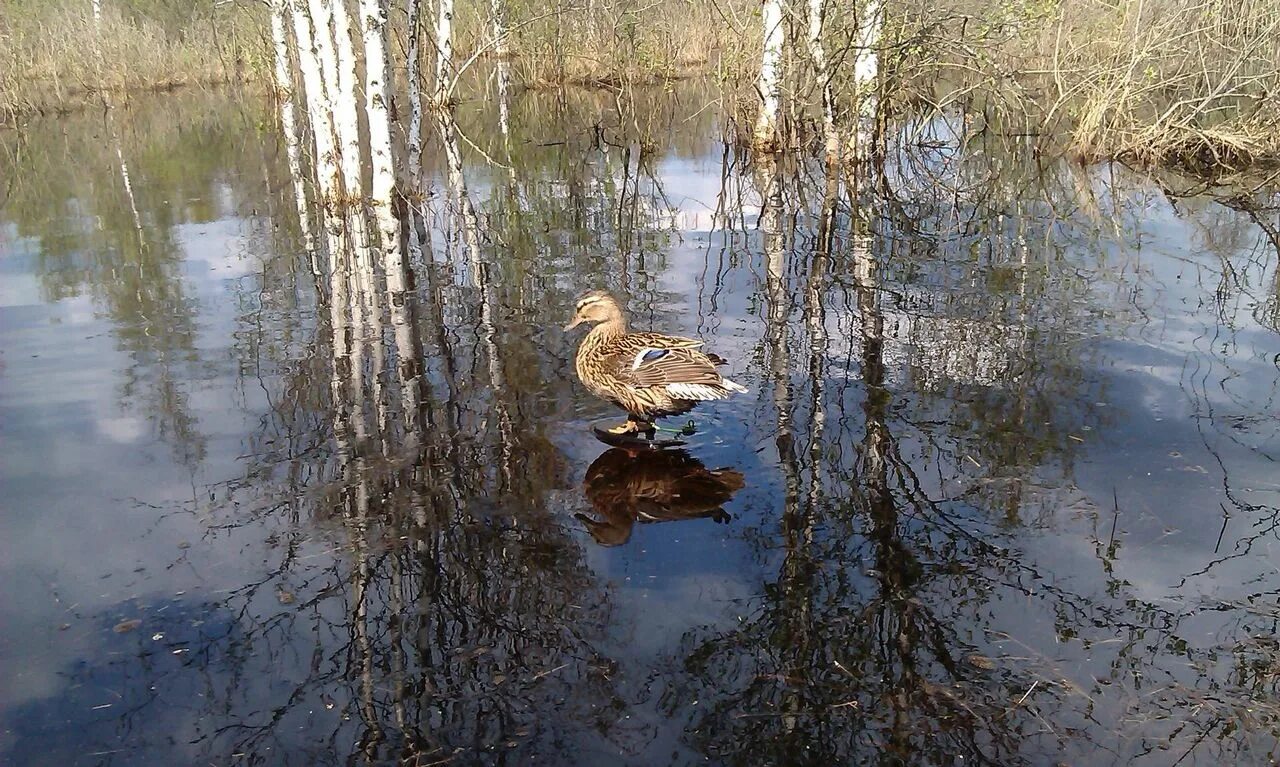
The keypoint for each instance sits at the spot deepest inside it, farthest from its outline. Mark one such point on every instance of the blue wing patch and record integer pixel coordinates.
(648, 355)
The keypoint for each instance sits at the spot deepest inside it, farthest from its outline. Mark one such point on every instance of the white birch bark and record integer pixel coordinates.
(315, 58)
(497, 10)
(504, 99)
(280, 44)
(288, 119)
(377, 93)
(444, 46)
(770, 81)
(866, 70)
(817, 19)
(293, 152)
(346, 101)
(498, 28)
(414, 140)
(97, 11)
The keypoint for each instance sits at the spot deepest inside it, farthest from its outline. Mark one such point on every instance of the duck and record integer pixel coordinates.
(649, 375)
(626, 486)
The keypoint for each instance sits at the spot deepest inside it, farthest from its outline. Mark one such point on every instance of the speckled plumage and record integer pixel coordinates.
(649, 375)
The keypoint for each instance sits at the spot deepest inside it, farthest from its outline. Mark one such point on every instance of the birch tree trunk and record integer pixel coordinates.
(377, 93)
(770, 81)
(280, 43)
(97, 11)
(866, 70)
(346, 101)
(414, 139)
(444, 46)
(316, 99)
(498, 28)
(288, 120)
(817, 19)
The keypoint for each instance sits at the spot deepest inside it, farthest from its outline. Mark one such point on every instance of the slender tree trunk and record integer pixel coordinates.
(498, 28)
(497, 10)
(770, 81)
(444, 45)
(97, 11)
(347, 101)
(415, 93)
(319, 108)
(866, 71)
(288, 119)
(377, 95)
(322, 72)
(280, 43)
(504, 99)
(817, 19)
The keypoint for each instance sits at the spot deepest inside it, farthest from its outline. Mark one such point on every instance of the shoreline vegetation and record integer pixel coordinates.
(1188, 83)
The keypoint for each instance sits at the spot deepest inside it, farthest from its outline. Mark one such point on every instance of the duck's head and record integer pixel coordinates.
(595, 307)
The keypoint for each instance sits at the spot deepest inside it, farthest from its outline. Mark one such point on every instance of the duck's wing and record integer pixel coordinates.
(645, 360)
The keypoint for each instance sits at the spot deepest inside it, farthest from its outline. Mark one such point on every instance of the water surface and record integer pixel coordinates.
(1009, 488)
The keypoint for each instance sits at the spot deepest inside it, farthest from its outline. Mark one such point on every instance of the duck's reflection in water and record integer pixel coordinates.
(647, 485)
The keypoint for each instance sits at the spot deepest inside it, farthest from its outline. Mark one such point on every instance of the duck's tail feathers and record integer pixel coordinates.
(731, 386)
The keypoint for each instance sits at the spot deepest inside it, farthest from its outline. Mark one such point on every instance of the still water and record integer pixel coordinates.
(1004, 489)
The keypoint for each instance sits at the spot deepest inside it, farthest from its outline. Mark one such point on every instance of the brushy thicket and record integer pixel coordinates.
(1188, 82)
(54, 55)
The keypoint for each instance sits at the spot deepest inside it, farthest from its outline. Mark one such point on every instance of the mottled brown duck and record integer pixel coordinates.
(649, 375)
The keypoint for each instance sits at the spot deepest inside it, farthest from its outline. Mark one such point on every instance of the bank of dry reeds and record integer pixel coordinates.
(1186, 82)
(55, 55)
(609, 44)
(1189, 82)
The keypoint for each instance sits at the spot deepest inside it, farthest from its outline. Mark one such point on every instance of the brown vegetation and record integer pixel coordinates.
(1187, 82)
(54, 56)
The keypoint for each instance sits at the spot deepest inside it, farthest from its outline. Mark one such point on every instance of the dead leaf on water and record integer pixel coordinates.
(124, 627)
(982, 662)
(285, 596)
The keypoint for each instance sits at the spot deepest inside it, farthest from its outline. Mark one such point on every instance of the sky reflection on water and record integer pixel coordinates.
(1008, 459)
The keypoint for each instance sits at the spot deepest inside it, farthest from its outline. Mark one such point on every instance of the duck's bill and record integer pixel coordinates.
(572, 325)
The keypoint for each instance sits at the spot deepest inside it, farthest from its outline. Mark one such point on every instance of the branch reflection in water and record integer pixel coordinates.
(945, 541)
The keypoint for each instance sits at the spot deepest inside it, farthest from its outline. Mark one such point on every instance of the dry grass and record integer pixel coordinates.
(606, 44)
(1184, 82)
(54, 57)
(1187, 81)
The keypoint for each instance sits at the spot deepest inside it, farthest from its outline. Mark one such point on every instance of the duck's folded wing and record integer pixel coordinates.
(686, 373)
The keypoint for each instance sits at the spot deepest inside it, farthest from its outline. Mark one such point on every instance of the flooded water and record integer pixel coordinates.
(1004, 489)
